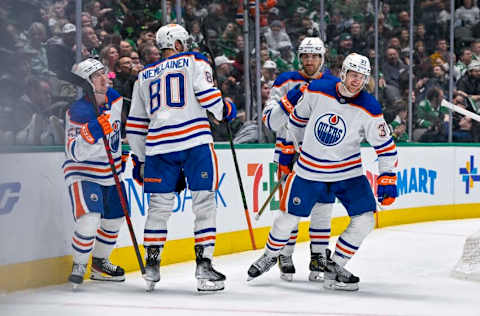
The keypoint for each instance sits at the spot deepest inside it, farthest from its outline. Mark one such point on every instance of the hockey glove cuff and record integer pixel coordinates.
(95, 129)
(286, 159)
(229, 110)
(387, 188)
(290, 100)
(137, 171)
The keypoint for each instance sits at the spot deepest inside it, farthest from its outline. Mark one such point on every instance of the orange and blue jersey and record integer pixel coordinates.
(87, 161)
(331, 129)
(169, 106)
(277, 109)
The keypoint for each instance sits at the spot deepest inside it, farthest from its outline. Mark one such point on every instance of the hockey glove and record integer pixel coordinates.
(95, 129)
(387, 188)
(181, 184)
(290, 100)
(229, 110)
(286, 160)
(137, 171)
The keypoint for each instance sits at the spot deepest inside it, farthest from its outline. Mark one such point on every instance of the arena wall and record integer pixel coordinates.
(36, 222)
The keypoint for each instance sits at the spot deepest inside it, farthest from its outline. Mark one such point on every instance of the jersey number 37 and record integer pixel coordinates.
(168, 90)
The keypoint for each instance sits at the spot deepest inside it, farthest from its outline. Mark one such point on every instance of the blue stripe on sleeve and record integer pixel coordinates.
(212, 104)
(205, 92)
(296, 124)
(384, 144)
(138, 119)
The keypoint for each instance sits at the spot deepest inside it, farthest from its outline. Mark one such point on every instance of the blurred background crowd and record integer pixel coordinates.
(37, 50)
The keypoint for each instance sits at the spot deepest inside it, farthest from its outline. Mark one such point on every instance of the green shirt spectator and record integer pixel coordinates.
(429, 111)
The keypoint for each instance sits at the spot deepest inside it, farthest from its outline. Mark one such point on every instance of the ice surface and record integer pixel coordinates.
(403, 270)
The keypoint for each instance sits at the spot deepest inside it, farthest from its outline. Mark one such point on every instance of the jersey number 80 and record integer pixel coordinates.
(174, 87)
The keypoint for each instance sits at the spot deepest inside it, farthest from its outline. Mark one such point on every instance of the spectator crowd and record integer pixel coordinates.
(38, 47)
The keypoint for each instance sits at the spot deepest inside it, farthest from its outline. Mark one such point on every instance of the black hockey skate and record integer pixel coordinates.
(104, 270)
(262, 265)
(287, 269)
(208, 279)
(317, 265)
(339, 278)
(78, 271)
(152, 267)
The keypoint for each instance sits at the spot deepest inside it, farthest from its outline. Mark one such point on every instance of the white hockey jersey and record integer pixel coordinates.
(89, 162)
(275, 114)
(332, 129)
(169, 105)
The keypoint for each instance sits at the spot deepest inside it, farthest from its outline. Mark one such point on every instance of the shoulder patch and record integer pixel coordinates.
(200, 56)
(112, 94)
(285, 76)
(82, 111)
(329, 76)
(153, 64)
(323, 85)
(368, 102)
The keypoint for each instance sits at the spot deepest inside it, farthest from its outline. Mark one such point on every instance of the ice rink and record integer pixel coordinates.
(403, 270)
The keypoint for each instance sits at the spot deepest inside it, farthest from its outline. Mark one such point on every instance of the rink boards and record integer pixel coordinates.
(36, 223)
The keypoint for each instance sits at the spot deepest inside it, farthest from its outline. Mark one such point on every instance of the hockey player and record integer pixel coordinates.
(168, 131)
(332, 119)
(286, 91)
(96, 205)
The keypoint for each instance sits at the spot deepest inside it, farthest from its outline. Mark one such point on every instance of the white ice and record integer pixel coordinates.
(403, 270)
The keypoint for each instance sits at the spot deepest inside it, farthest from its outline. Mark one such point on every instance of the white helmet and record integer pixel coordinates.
(86, 68)
(357, 63)
(312, 45)
(168, 34)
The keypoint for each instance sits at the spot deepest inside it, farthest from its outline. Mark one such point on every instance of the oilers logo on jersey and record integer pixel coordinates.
(114, 137)
(330, 129)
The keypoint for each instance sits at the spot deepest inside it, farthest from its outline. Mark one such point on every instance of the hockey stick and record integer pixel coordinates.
(460, 110)
(91, 96)
(230, 139)
(269, 198)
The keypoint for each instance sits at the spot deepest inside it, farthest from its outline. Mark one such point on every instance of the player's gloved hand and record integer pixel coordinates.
(95, 129)
(387, 188)
(289, 100)
(137, 172)
(181, 184)
(229, 110)
(286, 160)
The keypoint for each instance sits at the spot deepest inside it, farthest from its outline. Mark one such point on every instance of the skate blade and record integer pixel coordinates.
(105, 277)
(339, 286)
(286, 276)
(204, 285)
(75, 286)
(150, 286)
(315, 276)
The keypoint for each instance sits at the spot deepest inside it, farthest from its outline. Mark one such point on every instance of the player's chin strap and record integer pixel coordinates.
(230, 138)
(342, 89)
